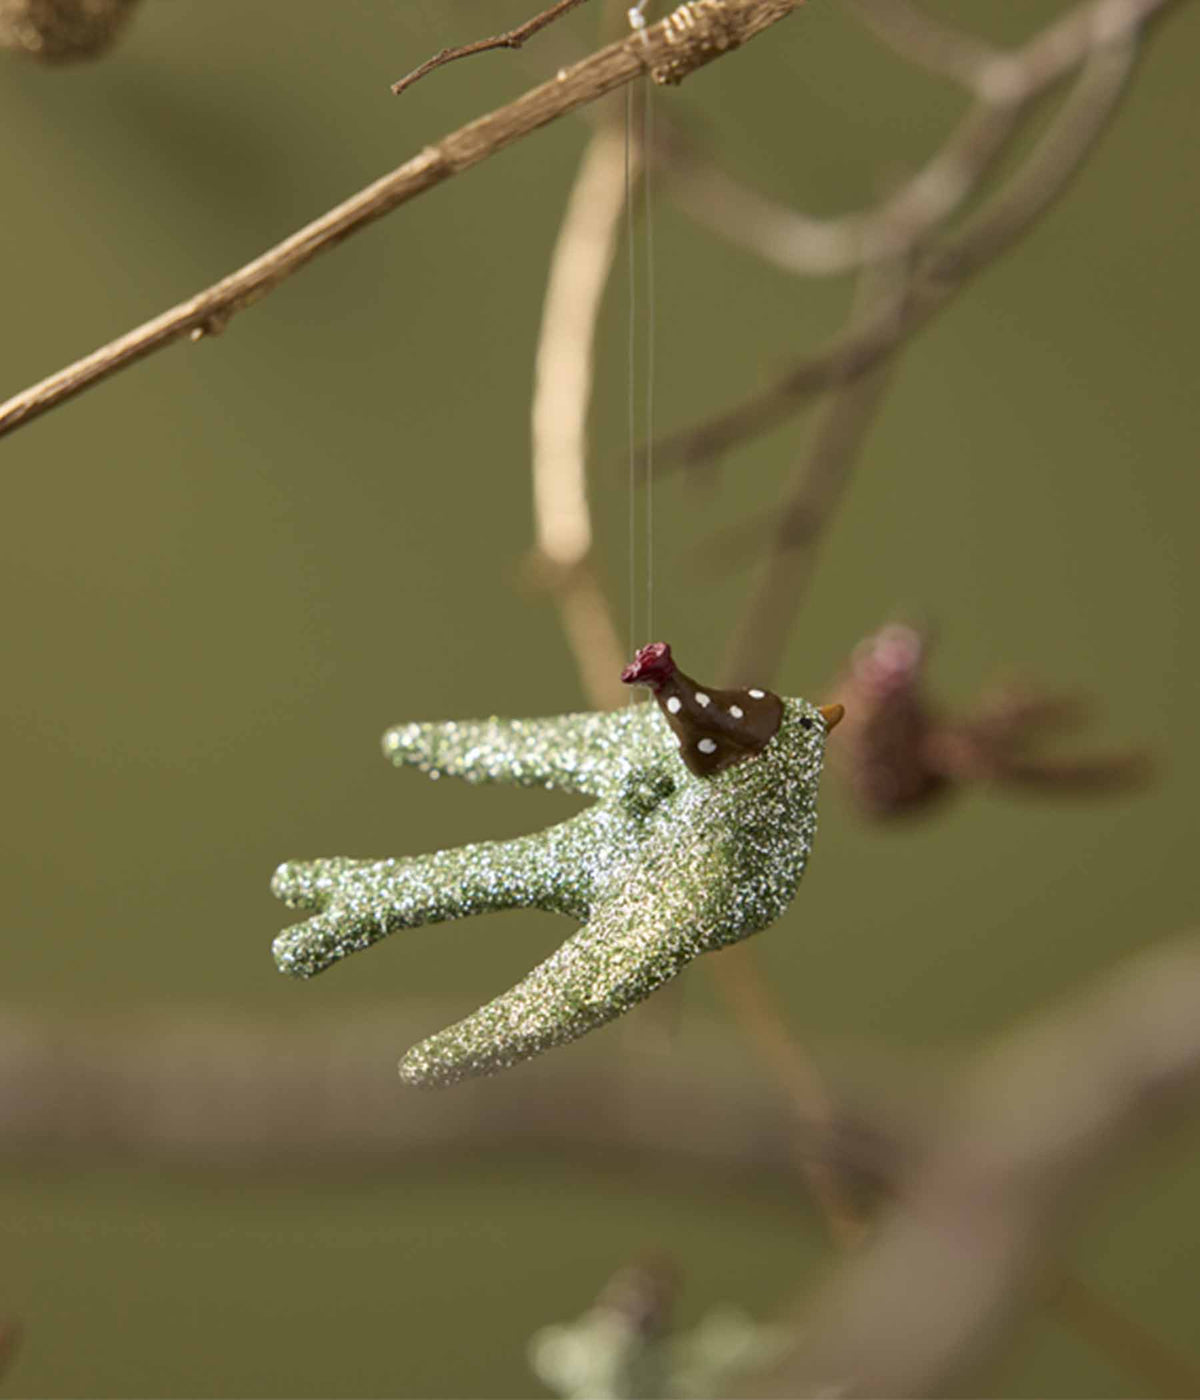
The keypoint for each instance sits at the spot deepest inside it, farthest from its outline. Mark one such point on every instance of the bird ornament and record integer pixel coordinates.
(702, 822)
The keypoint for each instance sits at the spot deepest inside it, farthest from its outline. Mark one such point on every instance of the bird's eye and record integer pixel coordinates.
(805, 722)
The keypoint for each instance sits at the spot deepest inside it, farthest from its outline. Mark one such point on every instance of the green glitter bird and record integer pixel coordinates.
(704, 817)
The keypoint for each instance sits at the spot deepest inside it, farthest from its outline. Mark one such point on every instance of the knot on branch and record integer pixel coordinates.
(695, 34)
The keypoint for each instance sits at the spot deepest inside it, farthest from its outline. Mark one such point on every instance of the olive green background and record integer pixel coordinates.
(229, 568)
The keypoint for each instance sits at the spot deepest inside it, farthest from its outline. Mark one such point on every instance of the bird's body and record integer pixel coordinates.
(664, 865)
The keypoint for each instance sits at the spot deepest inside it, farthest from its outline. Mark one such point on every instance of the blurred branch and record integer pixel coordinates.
(510, 39)
(927, 42)
(579, 270)
(222, 1090)
(802, 245)
(1005, 84)
(837, 1179)
(62, 31)
(1036, 1118)
(738, 976)
(691, 36)
(939, 274)
(1121, 1337)
(815, 490)
(887, 309)
(11, 1334)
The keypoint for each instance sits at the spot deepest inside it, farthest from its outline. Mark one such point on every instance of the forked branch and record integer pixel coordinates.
(960, 1252)
(690, 37)
(940, 274)
(510, 39)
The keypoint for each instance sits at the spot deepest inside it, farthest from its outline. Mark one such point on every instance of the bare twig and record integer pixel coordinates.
(11, 1333)
(1006, 76)
(737, 973)
(218, 1091)
(579, 271)
(798, 243)
(738, 976)
(805, 246)
(1121, 1337)
(1005, 85)
(846, 356)
(960, 1253)
(693, 35)
(829, 1171)
(1041, 179)
(940, 274)
(876, 331)
(921, 39)
(811, 497)
(510, 39)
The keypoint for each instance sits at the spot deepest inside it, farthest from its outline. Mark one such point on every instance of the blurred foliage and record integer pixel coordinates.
(232, 566)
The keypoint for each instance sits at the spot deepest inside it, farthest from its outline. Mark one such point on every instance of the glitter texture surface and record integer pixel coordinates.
(665, 865)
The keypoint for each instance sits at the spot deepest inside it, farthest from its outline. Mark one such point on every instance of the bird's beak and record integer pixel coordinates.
(832, 715)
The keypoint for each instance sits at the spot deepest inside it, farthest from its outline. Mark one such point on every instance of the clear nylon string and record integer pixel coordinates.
(648, 217)
(638, 24)
(630, 253)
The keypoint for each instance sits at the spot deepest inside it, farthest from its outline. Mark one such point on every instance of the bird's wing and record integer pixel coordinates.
(635, 940)
(358, 902)
(586, 753)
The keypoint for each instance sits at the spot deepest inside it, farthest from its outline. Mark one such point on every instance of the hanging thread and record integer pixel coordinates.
(648, 218)
(631, 356)
(637, 22)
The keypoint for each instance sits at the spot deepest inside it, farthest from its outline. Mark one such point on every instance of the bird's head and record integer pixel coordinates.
(716, 728)
(651, 666)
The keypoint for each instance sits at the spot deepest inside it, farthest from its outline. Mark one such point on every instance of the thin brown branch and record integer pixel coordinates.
(940, 274)
(1032, 1126)
(737, 973)
(11, 1333)
(1043, 177)
(814, 492)
(563, 374)
(1005, 84)
(927, 42)
(510, 39)
(998, 75)
(1123, 1338)
(845, 357)
(829, 1171)
(804, 246)
(222, 1092)
(876, 327)
(738, 977)
(590, 629)
(691, 36)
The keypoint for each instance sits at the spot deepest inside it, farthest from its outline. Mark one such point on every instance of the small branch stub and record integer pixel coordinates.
(669, 50)
(695, 34)
(510, 39)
